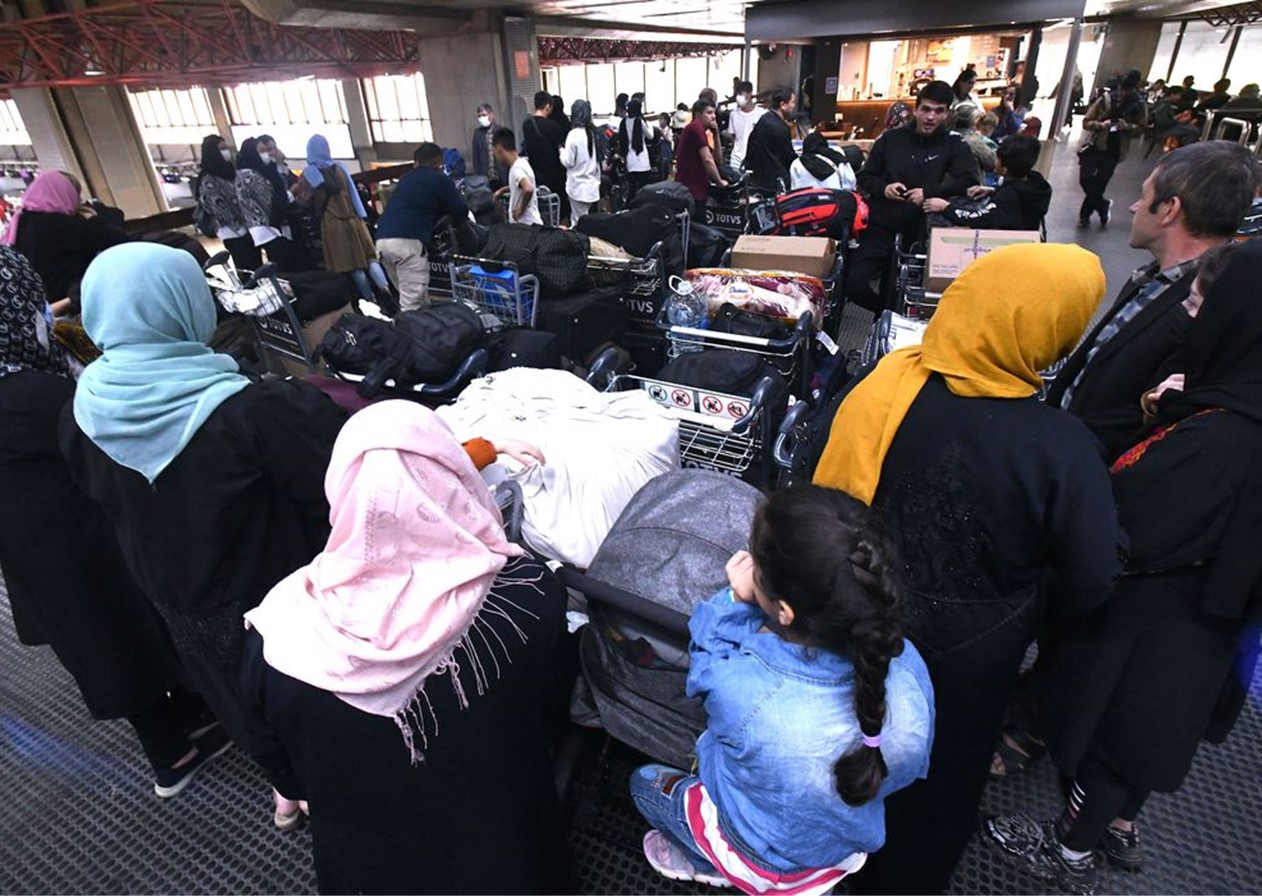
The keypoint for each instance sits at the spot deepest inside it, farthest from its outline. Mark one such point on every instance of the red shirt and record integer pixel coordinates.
(689, 169)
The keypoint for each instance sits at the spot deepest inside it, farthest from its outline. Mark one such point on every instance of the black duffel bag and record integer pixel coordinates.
(319, 292)
(706, 246)
(438, 339)
(720, 370)
(561, 262)
(731, 319)
(669, 193)
(636, 230)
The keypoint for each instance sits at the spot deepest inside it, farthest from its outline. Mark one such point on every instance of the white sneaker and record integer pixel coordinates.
(670, 862)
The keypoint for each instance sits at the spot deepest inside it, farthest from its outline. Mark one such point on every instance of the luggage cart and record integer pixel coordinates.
(908, 295)
(728, 208)
(791, 355)
(729, 434)
(495, 288)
(549, 206)
(644, 289)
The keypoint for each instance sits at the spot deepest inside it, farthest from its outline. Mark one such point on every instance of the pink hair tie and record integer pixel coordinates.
(873, 741)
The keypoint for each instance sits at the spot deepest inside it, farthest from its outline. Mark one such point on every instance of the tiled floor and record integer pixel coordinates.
(77, 813)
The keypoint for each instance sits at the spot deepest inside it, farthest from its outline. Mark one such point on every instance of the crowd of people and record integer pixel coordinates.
(241, 560)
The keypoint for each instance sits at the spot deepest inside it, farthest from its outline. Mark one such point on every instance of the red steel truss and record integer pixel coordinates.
(156, 43)
(561, 50)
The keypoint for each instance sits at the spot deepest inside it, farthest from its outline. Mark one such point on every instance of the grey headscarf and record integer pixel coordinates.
(581, 117)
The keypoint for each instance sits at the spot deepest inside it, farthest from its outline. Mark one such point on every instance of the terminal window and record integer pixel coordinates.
(305, 101)
(173, 116)
(398, 111)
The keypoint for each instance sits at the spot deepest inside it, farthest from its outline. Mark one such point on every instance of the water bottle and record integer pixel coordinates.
(684, 308)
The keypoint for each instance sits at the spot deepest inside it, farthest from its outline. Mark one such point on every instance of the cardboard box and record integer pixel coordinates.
(952, 249)
(814, 255)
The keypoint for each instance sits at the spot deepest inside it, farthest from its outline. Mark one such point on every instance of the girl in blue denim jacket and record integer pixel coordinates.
(818, 709)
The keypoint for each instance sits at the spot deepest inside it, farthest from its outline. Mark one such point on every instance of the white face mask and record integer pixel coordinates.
(484, 121)
(741, 99)
(266, 157)
(227, 154)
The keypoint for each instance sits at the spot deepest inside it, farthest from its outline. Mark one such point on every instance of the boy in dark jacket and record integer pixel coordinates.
(907, 166)
(1018, 204)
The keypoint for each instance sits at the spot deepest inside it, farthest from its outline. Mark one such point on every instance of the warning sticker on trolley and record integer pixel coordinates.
(727, 408)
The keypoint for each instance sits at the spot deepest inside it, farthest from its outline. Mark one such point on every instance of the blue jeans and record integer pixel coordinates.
(658, 791)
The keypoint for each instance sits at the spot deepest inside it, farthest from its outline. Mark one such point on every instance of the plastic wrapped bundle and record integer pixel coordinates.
(784, 295)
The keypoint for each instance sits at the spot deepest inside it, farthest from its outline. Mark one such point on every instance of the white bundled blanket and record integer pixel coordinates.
(600, 449)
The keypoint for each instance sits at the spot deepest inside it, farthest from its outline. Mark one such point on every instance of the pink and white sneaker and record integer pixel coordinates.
(670, 862)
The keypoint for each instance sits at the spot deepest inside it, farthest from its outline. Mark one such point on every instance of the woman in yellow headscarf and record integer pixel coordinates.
(1003, 509)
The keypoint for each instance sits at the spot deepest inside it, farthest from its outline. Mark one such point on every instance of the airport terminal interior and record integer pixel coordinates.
(140, 105)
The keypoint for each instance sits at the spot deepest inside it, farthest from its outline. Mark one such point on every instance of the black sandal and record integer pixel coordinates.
(1014, 751)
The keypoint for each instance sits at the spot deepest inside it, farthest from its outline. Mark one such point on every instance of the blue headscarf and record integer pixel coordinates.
(148, 309)
(320, 156)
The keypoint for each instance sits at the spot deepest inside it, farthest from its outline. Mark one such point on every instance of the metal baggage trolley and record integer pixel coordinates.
(790, 355)
(729, 434)
(497, 288)
(549, 206)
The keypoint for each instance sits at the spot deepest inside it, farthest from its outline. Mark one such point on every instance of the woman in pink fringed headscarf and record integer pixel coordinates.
(55, 239)
(406, 675)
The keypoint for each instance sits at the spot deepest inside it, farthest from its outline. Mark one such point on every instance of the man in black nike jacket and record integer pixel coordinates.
(922, 160)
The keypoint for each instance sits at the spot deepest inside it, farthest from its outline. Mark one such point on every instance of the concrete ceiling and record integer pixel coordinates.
(613, 18)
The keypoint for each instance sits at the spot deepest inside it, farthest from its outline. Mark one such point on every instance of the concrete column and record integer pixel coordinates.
(219, 110)
(464, 71)
(49, 139)
(1062, 112)
(357, 122)
(1130, 43)
(111, 149)
(827, 74)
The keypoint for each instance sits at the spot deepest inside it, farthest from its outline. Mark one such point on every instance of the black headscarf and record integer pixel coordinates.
(1222, 355)
(213, 162)
(1222, 352)
(558, 114)
(248, 158)
(636, 139)
(820, 159)
(25, 341)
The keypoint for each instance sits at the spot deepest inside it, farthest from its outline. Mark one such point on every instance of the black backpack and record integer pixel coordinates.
(438, 338)
(367, 347)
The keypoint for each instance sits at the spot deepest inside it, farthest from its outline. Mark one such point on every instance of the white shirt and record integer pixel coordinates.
(841, 179)
(742, 124)
(639, 161)
(521, 169)
(582, 178)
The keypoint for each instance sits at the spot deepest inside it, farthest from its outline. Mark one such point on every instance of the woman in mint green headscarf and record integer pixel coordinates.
(214, 482)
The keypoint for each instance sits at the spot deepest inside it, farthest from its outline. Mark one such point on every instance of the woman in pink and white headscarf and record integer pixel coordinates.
(51, 233)
(405, 675)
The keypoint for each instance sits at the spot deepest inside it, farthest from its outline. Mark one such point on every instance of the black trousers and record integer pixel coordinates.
(868, 269)
(1099, 795)
(1095, 170)
(287, 255)
(245, 255)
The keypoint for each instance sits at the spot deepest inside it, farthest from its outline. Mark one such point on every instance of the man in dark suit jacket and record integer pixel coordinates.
(1194, 199)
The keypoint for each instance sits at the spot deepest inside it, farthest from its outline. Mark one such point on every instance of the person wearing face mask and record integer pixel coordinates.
(483, 156)
(742, 120)
(218, 199)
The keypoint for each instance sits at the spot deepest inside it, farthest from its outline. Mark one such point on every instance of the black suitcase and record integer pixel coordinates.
(319, 292)
(520, 347)
(585, 321)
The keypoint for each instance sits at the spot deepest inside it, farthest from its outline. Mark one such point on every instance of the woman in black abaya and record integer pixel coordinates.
(1132, 694)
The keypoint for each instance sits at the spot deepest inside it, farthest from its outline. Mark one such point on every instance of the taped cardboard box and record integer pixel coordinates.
(814, 255)
(952, 249)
